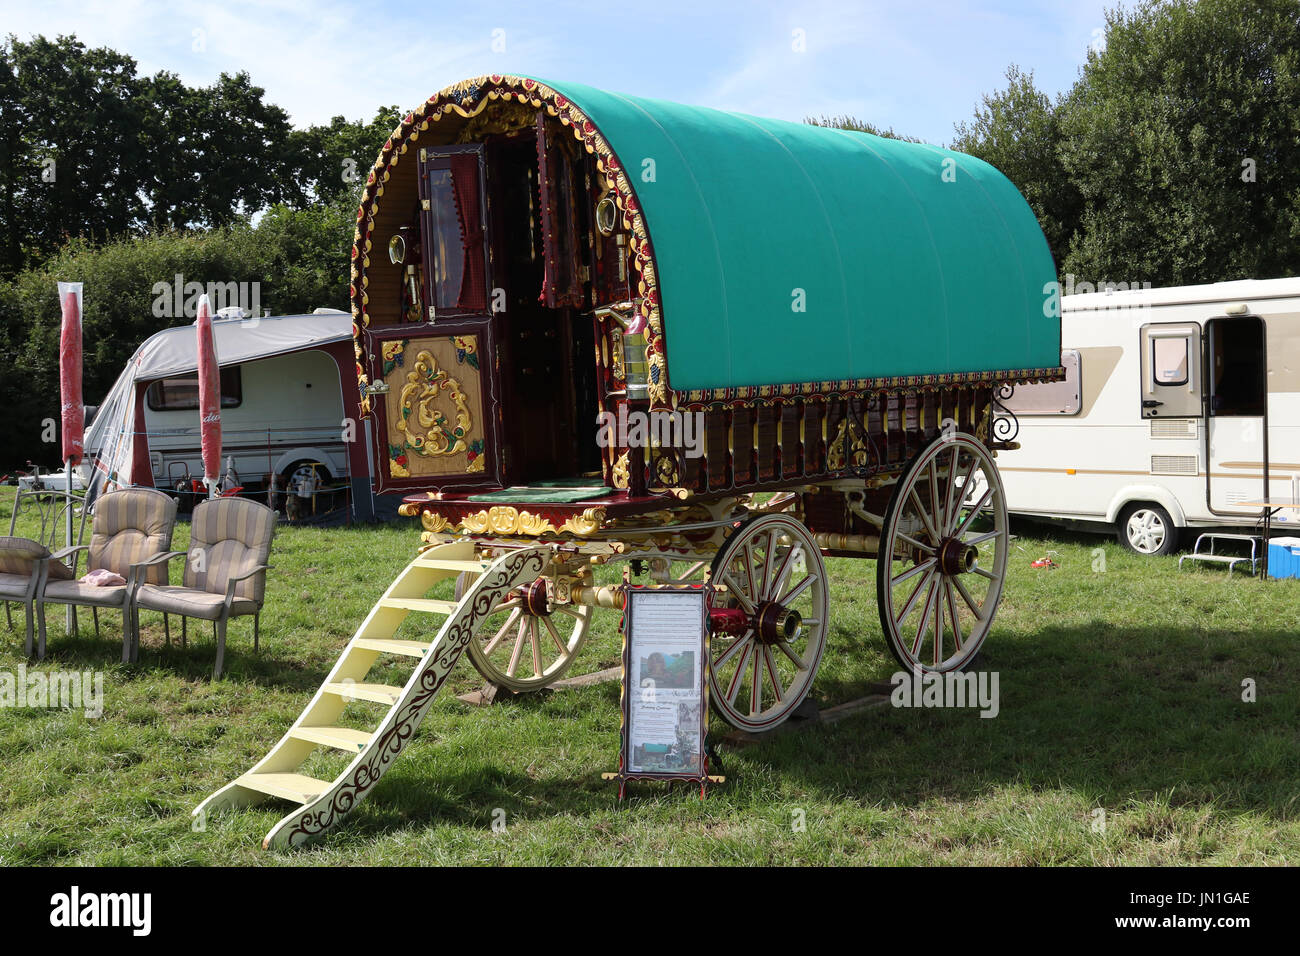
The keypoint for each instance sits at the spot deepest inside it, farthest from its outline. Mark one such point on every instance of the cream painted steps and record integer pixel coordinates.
(323, 803)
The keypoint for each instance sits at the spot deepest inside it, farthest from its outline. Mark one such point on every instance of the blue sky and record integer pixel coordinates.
(918, 67)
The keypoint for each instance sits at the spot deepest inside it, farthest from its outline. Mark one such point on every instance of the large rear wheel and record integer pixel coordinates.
(942, 560)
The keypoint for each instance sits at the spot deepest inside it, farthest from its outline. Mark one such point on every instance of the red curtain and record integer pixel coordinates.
(464, 178)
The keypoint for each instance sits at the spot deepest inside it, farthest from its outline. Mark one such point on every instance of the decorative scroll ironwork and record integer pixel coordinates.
(1006, 426)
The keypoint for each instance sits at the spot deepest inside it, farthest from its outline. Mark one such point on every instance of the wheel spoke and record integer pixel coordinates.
(986, 536)
(756, 686)
(749, 570)
(965, 490)
(912, 572)
(784, 572)
(775, 680)
(555, 635)
(935, 504)
(734, 688)
(953, 612)
(798, 589)
(911, 602)
(738, 592)
(984, 573)
(788, 651)
(924, 622)
(491, 646)
(928, 549)
(734, 646)
(974, 512)
(769, 555)
(518, 651)
(535, 639)
(923, 514)
(950, 510)
(974, 605)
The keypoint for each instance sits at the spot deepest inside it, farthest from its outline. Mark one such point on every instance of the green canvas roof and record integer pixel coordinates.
(899, 271)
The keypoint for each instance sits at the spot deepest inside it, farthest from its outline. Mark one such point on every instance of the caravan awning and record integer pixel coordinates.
(174, 351)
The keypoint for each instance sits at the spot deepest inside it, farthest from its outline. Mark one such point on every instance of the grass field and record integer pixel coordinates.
(1121, 691)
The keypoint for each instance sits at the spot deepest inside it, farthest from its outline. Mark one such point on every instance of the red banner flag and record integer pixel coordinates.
(72, 411)
(209, 395)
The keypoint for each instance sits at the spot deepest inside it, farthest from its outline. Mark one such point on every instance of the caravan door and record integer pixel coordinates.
(1171, 370)
(1237, 422)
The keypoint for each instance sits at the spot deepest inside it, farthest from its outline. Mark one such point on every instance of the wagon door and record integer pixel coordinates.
(436, 406)
(1237, 423)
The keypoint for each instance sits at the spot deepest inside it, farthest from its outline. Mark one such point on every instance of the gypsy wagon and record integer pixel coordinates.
(594, 328)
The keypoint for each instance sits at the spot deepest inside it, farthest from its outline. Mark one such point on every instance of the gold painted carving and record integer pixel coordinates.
(425, 384)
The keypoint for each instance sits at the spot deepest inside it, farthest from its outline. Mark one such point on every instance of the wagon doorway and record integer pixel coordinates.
(1237, 419)
(547, 336)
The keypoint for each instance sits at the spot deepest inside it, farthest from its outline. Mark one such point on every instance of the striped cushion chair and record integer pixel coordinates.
(131, 526)
(24, 567)
(225, 569)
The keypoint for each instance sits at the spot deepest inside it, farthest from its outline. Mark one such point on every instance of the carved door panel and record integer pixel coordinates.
(436, 426)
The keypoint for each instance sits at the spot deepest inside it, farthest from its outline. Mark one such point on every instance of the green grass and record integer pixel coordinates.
(1120, 690)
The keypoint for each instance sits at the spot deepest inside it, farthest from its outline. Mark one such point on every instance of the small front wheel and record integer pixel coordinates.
(1147, 529)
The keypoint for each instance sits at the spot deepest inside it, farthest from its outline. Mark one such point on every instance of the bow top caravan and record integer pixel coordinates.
(590, 327)
(1181, 406)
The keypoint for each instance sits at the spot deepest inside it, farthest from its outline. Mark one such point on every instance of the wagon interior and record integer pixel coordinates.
(494, 277)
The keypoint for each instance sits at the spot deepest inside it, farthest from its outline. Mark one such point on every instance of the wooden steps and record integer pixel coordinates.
(322, 803)
(401, 648)
(425, 605)
(376, 693)
(340, 738)
(286, 786)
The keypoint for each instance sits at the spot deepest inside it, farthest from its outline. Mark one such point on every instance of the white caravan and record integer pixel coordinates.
(287, 389)
(1179, 405)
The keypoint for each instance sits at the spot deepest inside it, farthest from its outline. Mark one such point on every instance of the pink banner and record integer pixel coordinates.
(209, 393)
(72, 411)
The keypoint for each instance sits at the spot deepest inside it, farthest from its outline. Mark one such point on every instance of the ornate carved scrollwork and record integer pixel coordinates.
(1005, 424)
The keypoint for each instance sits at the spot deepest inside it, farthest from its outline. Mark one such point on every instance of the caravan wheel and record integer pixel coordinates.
(1147, 529)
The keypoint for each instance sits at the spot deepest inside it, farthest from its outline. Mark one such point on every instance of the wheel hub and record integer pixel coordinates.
(957, 557)
(774, 623)
(535, 599)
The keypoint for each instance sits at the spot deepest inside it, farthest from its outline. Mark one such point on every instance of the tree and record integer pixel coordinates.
(1183, 138)
(74, 154)
(335, 159)
(1018, 131)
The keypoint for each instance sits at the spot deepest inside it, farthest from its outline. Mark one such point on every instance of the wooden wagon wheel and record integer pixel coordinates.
(771, 576)
(943, 555)
(524, 644)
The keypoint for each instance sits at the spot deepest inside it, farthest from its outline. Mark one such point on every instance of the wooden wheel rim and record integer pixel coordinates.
(525, 652)
(948, 501)
(783, 672)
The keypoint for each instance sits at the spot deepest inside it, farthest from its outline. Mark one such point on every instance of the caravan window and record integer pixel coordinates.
(1050, 398)
(181, 394)
(1169, 358)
